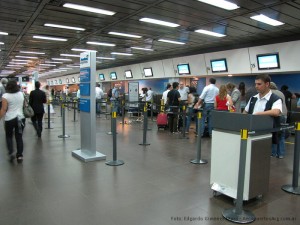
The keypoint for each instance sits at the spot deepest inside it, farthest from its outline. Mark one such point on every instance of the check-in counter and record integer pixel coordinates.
(225, 153)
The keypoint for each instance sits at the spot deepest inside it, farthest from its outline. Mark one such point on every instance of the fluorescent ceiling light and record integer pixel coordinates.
(144, 49)
(82, 50)
(29, 52)
(88, 9)
(3, 33)
(221, 4)
(100, 43)
(121, 53)
(264, 19)
(60, 59)
(17, 66)
(1, 43)
(21, 60)
(17, 63)
(65, 68)
(108, 58)
(63, 27)
(125, 35)
(70, 55)
(172, 42)
(26, 57)
(210, 33)
(44, 64)
(159, 22)
(49, 38)
(72, 66)
(53, 62)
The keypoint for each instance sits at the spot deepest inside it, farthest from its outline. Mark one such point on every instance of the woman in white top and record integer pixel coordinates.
(12, 108)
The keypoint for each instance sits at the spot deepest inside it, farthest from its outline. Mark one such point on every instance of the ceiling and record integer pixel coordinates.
(22, 19)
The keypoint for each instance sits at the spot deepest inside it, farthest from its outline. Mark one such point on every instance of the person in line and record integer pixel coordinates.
(165, 93)
(207, 97)
(192, 99)
(223, 101)
(235, 95)
(49, 99)
(78, 98)
(183, 91)
(173, 102)
(98, 95)
(12, 109)
(288, 96)
(278, 150)
(265, 102)
(242, 89)
(2, 89)
(115, 95)
(37, 98)
(149, 96)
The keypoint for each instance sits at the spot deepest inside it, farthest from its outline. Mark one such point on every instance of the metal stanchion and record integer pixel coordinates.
(114, 162)
(294, 188)
(145, 126)
(123, 111)
(237, 214)
(198, 159)
(111, 122)
(74, 115)
(183, 123)
(48, 105)
(64, 123)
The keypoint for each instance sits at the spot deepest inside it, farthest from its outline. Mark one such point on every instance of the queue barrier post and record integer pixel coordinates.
(48, 110)
(64, 135)
(145, 126)
(183, 136)
(74, 114)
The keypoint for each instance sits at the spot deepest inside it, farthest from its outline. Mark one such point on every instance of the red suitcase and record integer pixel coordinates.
(162, 120)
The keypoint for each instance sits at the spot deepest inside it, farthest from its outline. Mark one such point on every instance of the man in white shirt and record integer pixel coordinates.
(98, 95)
(207, 98)
(149, 96)
(183, 91)
(165, 93)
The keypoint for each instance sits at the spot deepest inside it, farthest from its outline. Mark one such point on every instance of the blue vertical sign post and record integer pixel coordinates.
(87, 106)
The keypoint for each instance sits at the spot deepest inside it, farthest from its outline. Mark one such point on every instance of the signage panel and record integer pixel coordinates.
(85, 75)
(84, 105)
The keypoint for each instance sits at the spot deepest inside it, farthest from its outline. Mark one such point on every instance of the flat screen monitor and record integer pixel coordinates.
(73, 80)
(55, 81)
(51, 82)
(67, 80)
(183, 69)
(25, 79)
(113, 76)
(268, 61)
(128, 74)
(60, 81)
(148, 72)
(101, 76)
(218, 65)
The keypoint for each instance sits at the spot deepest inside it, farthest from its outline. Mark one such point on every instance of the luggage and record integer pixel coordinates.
(162, 120)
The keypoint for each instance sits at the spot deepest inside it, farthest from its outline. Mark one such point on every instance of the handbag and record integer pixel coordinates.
(27, 109)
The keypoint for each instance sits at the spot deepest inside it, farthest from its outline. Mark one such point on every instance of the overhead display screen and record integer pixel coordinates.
(183, 69)
(268, 61)
(148, 72)
(218, 65)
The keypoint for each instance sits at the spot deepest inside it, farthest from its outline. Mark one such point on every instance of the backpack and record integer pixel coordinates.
(109, 93)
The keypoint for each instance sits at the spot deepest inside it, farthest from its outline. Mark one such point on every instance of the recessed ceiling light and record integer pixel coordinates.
(63, 26)
(70, 55)
(82, 50)
(172, 42)
(107, 58)
(159, 22)
(125, 35)
(121, 53)
(30, 52)
(3, 33)
(26, 57)
(60, 59)
(49, 38)
(264, 19)
(144, 49)
(210, 33)
(100, 43)
(88, 9)
(221, 4)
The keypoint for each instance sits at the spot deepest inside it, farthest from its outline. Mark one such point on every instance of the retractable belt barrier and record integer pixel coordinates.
(64, 122)
(48, 109)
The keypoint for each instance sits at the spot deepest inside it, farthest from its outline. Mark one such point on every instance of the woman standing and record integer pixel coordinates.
(223, 101)
(12, 108)
(191, 100)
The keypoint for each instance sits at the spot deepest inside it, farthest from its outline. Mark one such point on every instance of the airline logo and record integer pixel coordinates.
(85, 60)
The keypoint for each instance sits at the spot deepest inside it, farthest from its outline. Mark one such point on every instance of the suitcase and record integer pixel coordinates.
(162, 120)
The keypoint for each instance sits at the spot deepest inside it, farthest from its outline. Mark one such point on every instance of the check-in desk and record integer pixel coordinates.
(225, 154)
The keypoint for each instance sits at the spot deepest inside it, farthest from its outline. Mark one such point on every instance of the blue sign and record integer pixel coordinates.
(85, 105)
(85, 89)
(85, 75)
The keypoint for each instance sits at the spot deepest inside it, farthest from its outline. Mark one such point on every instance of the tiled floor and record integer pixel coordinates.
(157, 185)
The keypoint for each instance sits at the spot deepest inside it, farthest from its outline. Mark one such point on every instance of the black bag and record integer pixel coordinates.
(109, 93)
(27, 110)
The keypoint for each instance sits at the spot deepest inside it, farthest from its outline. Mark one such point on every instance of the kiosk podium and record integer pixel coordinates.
(225, 153)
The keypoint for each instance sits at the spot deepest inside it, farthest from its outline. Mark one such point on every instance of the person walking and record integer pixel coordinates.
(37, 98)
(2, 89)
(12, 109)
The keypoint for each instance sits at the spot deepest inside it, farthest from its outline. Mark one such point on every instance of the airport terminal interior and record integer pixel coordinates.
(156, 185)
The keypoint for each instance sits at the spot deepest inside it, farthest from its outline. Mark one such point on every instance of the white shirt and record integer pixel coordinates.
(209, 93)
(149, 96)
(98, 93)
(15, 103)
(164, 96)
(183, 93)
(260, 104)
